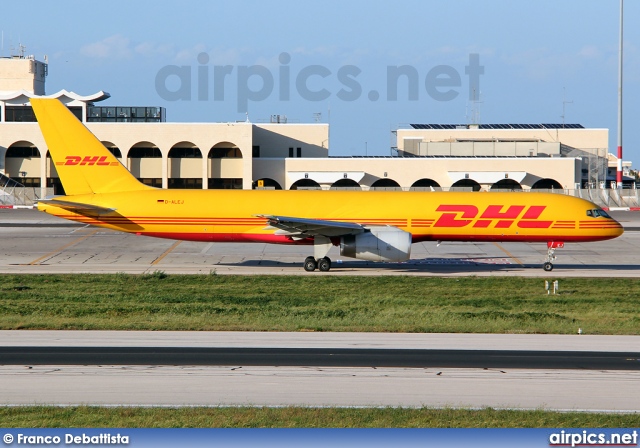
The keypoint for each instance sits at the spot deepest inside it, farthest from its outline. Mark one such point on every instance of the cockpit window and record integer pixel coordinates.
(597, 212)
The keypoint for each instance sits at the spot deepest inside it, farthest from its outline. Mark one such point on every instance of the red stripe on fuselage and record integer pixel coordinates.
(280, 239)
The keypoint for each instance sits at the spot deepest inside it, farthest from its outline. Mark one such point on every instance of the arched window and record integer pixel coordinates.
(466, 184)
(22, 163)
(388, 184)
(345, 184)
(224, 166)
(426, 184)
(113, 149)
(506, 184)
(305, 184)
(546, 184)
(144, 162)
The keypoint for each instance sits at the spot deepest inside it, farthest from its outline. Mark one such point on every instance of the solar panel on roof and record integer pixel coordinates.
(499, 126)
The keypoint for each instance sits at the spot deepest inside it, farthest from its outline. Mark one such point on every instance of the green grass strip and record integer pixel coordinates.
(318, 303)
(296, 417)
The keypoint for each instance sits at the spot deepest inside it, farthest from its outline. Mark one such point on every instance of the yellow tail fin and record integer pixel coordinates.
(83, 163)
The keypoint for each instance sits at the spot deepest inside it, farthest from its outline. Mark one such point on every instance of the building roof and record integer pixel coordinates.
(23, 96)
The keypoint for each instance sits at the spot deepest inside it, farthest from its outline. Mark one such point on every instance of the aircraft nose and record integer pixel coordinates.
(619, 229)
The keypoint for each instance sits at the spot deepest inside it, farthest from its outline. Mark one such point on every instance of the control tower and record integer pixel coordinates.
(22, 72)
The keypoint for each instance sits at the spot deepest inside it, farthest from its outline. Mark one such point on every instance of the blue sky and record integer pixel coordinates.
(299, 58)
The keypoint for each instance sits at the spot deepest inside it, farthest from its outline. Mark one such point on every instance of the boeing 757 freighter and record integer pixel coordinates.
(367, 225)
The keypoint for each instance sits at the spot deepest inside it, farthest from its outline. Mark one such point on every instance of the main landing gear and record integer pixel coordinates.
(323, 264)
(551, 249)
(320, 261)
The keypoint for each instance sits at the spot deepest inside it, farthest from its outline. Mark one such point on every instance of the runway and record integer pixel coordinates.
(34, 242)
(319, 357)
(317, 384)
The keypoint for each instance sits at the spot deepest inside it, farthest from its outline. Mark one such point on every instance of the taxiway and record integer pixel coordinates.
(34, 242)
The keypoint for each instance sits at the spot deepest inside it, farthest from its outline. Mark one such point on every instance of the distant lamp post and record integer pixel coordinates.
(23, 174)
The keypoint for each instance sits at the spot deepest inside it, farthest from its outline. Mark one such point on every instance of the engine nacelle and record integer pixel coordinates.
(379, 243)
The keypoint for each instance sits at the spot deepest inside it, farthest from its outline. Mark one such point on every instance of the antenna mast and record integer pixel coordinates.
(475, 109)
(564, 103)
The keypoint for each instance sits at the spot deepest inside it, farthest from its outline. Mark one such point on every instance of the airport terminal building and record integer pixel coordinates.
(283, 155)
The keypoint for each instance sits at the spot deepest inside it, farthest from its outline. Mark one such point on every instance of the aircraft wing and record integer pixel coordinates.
(78, 207)
(303, 227)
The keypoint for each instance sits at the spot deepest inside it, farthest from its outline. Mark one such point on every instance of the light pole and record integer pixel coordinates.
(619, 171)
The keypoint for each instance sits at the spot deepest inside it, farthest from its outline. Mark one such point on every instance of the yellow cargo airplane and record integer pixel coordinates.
(377, 226)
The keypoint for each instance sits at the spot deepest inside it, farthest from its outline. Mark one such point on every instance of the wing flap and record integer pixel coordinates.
(303, 227)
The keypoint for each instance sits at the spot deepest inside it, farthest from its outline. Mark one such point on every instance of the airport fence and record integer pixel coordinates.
(609, 198)
(22, 195)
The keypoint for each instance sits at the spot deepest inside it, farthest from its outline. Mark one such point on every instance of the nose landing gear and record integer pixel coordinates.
(551, 249)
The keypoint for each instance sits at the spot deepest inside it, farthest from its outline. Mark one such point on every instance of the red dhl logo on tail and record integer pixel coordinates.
(87, 160)
(464, 215)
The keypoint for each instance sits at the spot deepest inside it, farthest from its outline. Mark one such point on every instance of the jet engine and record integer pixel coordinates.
(379, 243)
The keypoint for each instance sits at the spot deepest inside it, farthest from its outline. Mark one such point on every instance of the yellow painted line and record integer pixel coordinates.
(166, 252)
(60, 249)
(509, 254)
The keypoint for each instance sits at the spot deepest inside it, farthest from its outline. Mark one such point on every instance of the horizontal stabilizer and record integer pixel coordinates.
(77, 207)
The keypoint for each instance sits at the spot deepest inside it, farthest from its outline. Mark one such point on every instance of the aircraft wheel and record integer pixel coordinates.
(324, 264)
(548, 266)
(310, 264)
